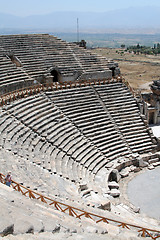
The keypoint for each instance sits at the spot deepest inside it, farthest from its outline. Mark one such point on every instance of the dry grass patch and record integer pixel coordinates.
(138, 70)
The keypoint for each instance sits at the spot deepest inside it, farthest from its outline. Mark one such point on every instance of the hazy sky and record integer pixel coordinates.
(30, 7)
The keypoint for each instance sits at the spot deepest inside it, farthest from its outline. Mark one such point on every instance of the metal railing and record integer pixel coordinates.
(78, 213)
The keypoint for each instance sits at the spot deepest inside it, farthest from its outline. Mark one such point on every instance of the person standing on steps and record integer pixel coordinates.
(8, 179)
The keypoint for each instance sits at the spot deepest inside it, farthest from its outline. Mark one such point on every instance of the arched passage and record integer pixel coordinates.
(113, 176)
(113, 71)
(55, 75)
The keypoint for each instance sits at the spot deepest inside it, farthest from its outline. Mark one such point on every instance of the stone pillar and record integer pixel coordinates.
(146, 112)
(158, 112)
(141, 107)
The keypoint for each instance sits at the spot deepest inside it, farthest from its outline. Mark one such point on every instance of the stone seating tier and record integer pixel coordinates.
(79, 150)
(39, 53)
(58, 132)
(53, 224)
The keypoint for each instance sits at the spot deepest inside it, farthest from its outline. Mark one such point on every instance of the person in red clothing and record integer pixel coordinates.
(8, 179)
(1, 178)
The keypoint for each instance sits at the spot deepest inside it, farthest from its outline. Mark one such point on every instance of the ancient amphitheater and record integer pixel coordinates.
(70, 129)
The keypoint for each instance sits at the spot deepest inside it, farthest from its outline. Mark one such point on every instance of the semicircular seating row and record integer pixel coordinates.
(11, 77)
(75, 132)
(35, 129)
(40, 52)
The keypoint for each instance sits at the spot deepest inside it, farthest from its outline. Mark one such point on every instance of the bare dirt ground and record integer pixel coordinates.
(138, 70)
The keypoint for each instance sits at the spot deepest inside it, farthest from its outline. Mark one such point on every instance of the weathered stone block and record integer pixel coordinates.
(113, 185)
(115, 192)
(124, 173)
(8, 230)
(141, 163)
(105, 205)
(83, 186)
(151, 167)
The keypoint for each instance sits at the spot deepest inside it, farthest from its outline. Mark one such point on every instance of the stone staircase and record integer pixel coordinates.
(76, 133)
(108, 116)
(54, 144)
(56, 140)
(36, 217)
(124, 111)
(11, 77)
(40, 53)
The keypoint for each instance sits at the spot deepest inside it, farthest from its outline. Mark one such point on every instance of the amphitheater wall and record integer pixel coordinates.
(97, 75)
(150, 107)
(6, 88)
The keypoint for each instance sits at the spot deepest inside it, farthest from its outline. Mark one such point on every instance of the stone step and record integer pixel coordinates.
(25, 103)
(48, 127)
(111, 146)
(93, 157)
(113, 154)
(106, 138)
(60, 133)
(31, 114)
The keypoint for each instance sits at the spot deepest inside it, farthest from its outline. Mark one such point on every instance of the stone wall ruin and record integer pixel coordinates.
(150, 104)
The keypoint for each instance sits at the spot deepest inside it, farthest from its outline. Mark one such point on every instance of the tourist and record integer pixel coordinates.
(1, 178)
(8, 179)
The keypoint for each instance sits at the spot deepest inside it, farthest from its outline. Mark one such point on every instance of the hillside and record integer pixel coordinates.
(141, 17)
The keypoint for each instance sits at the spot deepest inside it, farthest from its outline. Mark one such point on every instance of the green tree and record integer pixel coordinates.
(123, 45)
(138, 46)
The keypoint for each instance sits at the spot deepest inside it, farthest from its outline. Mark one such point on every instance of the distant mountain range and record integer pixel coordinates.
(140, 17)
